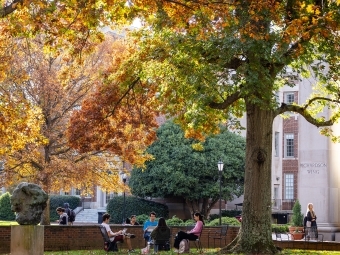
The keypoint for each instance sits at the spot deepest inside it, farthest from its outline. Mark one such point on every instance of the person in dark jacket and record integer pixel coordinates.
(161, 234)
(311, 222)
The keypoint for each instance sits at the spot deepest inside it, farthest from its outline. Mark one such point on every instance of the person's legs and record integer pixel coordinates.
(128, 242)
(179, 237)
(155, 248)
(147, 236)
(191, 237)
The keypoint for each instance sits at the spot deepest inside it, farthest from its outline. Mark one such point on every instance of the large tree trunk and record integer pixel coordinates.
(255, 236)
(45, 216)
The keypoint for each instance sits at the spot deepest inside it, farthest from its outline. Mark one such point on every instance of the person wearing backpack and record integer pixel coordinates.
(71, 214)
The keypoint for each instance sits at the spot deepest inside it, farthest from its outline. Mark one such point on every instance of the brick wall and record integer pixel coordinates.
(290, 165)
(88, 237)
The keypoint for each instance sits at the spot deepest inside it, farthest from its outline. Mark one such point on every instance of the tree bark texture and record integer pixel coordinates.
(255, 235)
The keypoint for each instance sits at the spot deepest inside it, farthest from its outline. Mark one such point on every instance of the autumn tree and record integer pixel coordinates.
(209, 62)
(205, 61)
(57, 87)
(192, 168)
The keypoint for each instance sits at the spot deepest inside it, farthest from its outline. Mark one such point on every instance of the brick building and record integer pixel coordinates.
(305, 164)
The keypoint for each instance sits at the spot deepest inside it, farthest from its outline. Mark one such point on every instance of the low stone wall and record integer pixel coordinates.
(88, 237)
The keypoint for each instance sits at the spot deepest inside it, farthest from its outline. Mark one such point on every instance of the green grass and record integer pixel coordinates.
(8, 223)
(192, 251)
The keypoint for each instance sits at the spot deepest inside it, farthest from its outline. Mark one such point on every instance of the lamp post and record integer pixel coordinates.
(220, 169)
(124, 180)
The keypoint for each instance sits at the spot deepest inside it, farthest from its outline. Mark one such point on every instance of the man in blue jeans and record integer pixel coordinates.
(149, 225)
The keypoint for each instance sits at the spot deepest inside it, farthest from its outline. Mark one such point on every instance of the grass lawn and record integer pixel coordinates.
(193, 251)
(8, 223)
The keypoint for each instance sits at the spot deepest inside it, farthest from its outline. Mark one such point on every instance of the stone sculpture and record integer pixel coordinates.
(28, 201)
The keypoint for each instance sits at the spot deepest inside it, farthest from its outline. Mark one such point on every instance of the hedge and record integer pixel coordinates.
(136, 206)
(5, 207)
(58, 200)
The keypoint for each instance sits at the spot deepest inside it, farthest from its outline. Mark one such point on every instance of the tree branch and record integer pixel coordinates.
(302, 110)
(8, 9)
(227, 102)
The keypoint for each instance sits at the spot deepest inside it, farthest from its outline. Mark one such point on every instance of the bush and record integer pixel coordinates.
(231, 221)
(297, 218)
(225, 213)
(5, 207)
(174, 221)
(276, 228)
(141, 218)
(59, 200)
(134, 205)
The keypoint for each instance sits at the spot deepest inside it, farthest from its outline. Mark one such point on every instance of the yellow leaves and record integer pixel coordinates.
(338, 2)
(310, 8)
(198, 146)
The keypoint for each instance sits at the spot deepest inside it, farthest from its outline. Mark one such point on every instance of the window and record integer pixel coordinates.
(109, 195)
(78, 193)
(289, 98)
(289, 186)
(276, 145)
(289, 145)
(276, 195)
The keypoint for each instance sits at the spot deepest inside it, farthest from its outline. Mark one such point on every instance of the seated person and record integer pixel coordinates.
(118, 236)
(149, 223)
(192, 234)
(133, 221)
(161, 234)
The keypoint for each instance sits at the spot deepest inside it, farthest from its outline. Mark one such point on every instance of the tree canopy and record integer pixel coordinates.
(205, 62)
(186, 168)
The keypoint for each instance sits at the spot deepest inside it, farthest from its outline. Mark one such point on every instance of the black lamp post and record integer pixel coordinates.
(220, 169)
(124, 180)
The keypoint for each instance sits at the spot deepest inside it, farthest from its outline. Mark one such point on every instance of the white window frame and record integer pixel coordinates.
(289, 97)
(289, 145)
(289, 186)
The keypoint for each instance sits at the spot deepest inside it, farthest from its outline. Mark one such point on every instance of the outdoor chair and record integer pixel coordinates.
(108, 244)
(198, 243)
(220, 234)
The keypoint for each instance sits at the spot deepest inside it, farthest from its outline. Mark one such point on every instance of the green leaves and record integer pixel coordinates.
(179, 170)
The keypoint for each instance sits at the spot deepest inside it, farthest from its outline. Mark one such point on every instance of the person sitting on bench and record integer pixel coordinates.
(118, 236)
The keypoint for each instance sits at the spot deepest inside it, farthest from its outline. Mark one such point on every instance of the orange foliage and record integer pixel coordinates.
(55, 87)
(115, 119)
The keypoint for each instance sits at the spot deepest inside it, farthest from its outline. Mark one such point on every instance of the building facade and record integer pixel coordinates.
(305, 164)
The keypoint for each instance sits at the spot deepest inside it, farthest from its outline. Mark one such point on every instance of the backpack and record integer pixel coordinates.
(71, 215)
(184, 246)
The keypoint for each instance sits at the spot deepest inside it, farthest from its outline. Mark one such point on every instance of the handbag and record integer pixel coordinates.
(308, 224)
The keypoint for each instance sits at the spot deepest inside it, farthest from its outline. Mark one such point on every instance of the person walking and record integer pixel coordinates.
(63, 218)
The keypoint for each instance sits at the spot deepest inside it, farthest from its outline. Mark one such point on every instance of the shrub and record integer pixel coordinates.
(276, 228)
(231, 221)
(59, 200)
(142, 218)
(174, 221)
(225, 213)
(134, 205)
(297, 218)
(5, 207)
